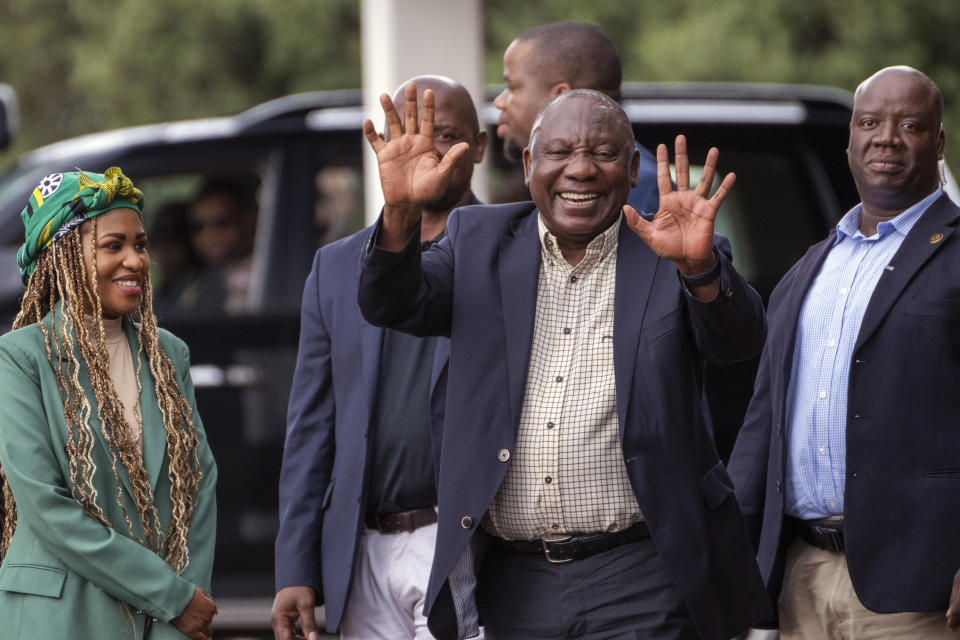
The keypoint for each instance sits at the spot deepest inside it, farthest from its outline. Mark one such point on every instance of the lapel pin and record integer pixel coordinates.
(935, 238)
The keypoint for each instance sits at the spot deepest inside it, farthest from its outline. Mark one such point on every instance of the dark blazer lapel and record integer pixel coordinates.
(440, 357)
(371, 341)
(807, 270)
(637, 266)
(83, 374)
(931, 232)
(519, 264)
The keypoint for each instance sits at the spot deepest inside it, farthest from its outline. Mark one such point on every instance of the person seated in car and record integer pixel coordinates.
(222, 219)
(171, 253)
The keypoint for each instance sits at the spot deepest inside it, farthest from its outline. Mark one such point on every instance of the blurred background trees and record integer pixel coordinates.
(83, 66)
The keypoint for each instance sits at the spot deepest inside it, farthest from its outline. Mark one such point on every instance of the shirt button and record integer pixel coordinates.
(823, 451)
(548, 479)
(559, 378)
(504, 455)
(566, 331)
(550, 425)
(573, 278)
(833, 505)
(843, 291)
(466, 522)
(554, 526)
(823, 394)
(832, 343)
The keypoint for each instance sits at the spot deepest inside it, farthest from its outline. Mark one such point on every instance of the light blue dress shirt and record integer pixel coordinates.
(826, 333)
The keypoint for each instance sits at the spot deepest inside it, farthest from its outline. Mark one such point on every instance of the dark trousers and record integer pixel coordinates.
(622, 593)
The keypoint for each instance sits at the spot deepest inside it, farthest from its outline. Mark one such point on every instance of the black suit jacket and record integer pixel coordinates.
(479, 286)
(902, 498)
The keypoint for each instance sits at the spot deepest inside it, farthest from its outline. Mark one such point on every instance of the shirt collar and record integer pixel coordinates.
(598, 249)
(426, 244)
(849, 225)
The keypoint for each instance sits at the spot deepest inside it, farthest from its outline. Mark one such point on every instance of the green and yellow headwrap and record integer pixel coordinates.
(62, 201)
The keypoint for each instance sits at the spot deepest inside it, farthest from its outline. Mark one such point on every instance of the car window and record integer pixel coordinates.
(767, 215)
(202, 231)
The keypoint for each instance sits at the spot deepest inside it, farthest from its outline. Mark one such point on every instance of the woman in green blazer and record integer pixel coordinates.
(108, 511)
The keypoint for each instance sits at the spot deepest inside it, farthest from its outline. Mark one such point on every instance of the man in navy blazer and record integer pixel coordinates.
(357, 486)
(653, 544)
(848, 464)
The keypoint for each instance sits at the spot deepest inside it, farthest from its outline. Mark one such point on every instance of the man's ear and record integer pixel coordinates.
(479, 146)
(634, 168)
(560, 87)
(941, 143)
(526, 166)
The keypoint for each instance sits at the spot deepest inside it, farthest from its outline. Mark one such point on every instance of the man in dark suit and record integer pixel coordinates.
(357, 486)
(548, 59)
(848, 464)
(580, 495)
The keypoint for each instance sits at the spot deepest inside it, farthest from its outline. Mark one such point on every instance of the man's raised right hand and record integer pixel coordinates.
(411, 171)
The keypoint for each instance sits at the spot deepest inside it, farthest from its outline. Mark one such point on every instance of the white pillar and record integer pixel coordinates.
(405, 38)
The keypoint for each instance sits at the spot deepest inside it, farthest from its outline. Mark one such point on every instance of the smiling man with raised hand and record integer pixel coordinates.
(848, 463)
(580, 495)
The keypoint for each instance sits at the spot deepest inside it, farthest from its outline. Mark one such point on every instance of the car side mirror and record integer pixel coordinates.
(9, 118)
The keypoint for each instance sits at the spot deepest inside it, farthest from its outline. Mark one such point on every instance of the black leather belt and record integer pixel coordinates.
(402, 520)
(577, 546)
(827, 533)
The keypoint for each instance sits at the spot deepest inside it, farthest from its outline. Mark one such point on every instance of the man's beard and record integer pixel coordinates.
(445, 201)
(512, 150)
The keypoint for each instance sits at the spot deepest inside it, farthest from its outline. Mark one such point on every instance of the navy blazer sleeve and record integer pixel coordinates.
(731, 327)
(308, 448)
(399, 292)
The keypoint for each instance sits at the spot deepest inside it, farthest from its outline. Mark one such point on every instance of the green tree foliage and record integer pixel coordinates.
(833, 42)
(83, 66)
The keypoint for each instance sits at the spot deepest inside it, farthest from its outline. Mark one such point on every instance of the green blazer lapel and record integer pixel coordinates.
(101, 456)
(154, 432)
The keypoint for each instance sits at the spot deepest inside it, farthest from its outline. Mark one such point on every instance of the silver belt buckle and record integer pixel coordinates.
(546, 549)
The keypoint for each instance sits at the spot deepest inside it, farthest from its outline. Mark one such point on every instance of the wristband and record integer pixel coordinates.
(704, 278)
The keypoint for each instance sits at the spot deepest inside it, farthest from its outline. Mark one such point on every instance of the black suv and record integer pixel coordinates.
(301, 158)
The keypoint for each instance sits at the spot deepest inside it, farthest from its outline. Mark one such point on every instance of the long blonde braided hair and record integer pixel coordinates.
(61, 276)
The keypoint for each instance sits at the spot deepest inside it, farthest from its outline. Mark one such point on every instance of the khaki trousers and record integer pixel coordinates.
(817, 602)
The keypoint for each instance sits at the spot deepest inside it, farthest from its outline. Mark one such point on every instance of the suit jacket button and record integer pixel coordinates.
(779, 487)
(504, 455)
(466, 522)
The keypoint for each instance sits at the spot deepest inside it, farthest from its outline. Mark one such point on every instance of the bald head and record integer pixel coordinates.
(449, 95)
(905, 74)
(576, 53)
(607, 109)
(455, 120)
